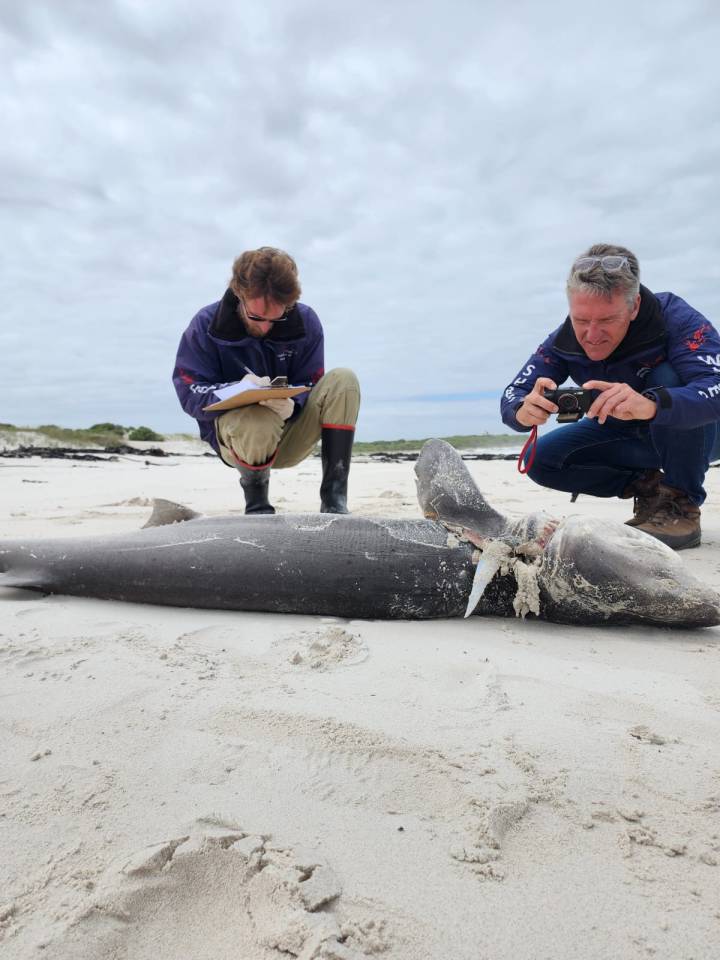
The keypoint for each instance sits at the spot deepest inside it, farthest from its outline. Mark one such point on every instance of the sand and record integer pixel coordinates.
(181, 783)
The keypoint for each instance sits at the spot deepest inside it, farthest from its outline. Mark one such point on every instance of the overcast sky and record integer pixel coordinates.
(433, 168)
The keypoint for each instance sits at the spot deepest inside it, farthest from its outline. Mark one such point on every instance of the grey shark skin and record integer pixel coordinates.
(329, 564)
(583, 571)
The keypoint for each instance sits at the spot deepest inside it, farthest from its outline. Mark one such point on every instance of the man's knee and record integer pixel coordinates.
(250, 434)
(244, 421)
(552, 455)
(341, 380)
(549, 455)
(338, 397)
(539, 473)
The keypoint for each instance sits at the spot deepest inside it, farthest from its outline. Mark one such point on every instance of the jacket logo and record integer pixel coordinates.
(712, 391)
(712, 361)
(524, 374)
(697, 338)
(202, 388)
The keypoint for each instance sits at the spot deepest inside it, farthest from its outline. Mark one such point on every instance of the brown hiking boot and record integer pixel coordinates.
(644, 490)
(674, 519)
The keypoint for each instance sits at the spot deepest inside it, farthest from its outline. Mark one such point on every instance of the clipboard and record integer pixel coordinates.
(246, 397)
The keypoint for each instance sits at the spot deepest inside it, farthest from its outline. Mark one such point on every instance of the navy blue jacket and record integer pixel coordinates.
(215, 349)
(666, 329)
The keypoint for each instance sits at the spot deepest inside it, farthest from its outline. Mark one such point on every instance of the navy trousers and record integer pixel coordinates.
(602, 459)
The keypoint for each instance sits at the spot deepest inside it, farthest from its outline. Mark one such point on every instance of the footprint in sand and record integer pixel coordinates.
(497, 821)
(646, 735)
(325, 648)
(222, 893)
(474, 801)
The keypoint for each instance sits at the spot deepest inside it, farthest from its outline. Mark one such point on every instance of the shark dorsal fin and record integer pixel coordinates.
(166, 511)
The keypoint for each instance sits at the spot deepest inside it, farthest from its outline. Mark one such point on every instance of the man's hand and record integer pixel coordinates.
(619, 400)
(283, 406)
(250, 378)
(535, 408)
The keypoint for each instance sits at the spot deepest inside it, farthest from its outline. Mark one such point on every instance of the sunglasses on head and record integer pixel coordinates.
(611, 263)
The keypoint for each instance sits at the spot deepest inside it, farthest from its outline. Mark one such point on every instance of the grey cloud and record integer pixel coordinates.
(433, 167)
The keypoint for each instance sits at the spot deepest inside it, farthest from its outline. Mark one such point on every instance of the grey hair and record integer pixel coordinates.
(598, 282)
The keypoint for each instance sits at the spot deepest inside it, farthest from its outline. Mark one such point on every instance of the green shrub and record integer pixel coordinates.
(84, 438)
(108, 428)
(459, 442)
(144, 433)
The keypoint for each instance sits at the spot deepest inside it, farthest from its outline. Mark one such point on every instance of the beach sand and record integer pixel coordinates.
(180, 783)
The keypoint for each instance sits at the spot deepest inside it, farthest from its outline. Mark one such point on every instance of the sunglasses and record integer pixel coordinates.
(252, 316)
(610, 263)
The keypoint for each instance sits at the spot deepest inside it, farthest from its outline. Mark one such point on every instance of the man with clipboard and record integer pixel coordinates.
(227, 361)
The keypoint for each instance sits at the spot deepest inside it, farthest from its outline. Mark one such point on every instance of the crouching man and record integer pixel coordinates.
(259, 330)
(654, 364)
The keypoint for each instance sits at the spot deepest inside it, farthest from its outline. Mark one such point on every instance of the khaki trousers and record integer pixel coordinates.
(257, 436)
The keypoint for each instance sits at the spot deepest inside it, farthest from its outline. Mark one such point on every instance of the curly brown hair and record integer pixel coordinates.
(268, 273)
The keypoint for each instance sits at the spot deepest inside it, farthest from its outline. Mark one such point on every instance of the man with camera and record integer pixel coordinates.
(257, 333)
(648, 366)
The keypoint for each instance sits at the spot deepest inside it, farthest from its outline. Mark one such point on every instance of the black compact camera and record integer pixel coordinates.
(572, 402)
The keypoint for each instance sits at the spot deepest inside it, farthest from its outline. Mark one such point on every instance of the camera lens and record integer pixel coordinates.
(567, 402)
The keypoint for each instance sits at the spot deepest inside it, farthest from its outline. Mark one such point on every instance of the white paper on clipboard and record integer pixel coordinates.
(243, 394)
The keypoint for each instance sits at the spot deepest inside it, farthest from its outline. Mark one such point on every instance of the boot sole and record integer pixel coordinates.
(686, 545)
(677, 543)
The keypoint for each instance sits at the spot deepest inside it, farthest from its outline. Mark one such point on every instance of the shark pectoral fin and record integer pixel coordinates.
(494, 555)
(447, 491)
(167, 511)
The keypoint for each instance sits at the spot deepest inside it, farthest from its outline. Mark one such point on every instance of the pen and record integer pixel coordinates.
(248, 370)
(273, 383)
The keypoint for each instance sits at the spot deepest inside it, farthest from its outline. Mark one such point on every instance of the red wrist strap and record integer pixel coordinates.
(529, 448)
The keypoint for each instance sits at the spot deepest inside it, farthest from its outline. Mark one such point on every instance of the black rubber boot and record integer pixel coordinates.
(336, 452)
(255, 483)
